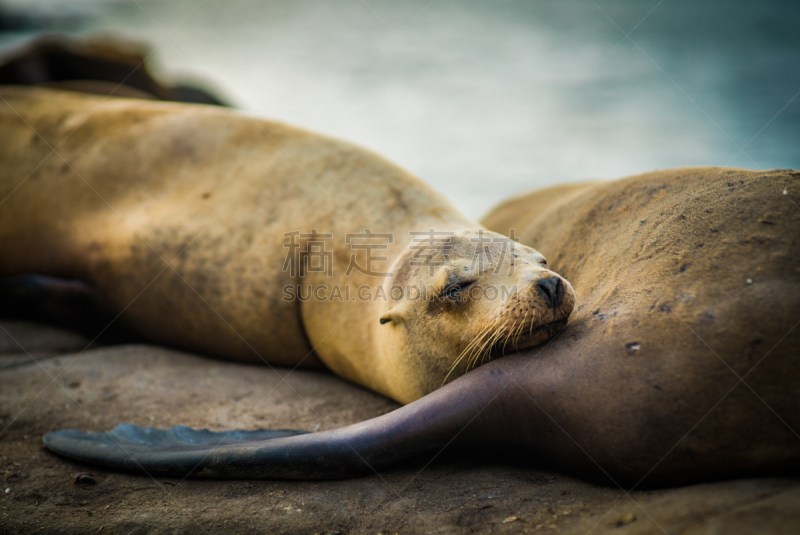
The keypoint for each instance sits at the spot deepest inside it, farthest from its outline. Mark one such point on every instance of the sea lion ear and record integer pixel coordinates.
(390, 316)
(395, 315)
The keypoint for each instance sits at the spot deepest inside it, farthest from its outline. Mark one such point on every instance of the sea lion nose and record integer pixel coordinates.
(551, 289)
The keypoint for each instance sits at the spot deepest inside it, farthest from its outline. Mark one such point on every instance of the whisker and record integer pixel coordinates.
(478, 351)
(482, 350)
(474, 343)
(486, 345)
(488, 349)
(521, 328)
(508, 337)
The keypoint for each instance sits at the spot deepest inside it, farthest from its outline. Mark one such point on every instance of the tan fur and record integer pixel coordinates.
(176, 215)
(682, 354)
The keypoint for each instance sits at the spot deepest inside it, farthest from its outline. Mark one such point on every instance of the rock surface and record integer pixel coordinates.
(49, 380)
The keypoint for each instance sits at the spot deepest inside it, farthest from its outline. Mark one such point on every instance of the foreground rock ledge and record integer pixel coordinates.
(47, 382)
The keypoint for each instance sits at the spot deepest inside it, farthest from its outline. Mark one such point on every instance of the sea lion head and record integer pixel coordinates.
(457, 300)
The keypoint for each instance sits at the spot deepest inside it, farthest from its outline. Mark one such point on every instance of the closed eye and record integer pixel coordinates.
(453, 290)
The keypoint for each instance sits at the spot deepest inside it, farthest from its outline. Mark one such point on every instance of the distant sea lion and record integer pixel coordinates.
(250, 240)
(99, 64)
(679, 364)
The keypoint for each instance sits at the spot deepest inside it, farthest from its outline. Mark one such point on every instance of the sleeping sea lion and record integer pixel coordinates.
(208, 230)
(680, 363)
(100, 64)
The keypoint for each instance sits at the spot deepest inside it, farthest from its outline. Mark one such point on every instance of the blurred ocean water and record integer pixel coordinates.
(487, 99)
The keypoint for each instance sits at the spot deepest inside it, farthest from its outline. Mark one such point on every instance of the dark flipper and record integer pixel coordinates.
(427, 425)
(40, 294)
(182, 452)
(179, 451)
(68, 303)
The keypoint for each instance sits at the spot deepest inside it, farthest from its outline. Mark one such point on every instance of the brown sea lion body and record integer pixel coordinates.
(208, 230)
(679, 364)
(682, 359)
